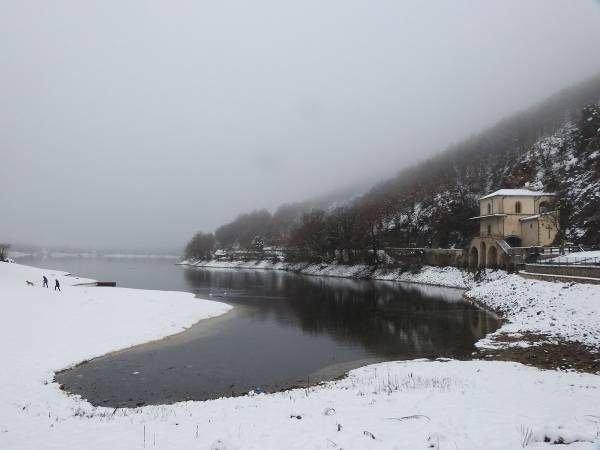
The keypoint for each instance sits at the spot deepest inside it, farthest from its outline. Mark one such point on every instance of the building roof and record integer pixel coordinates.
(516, 193)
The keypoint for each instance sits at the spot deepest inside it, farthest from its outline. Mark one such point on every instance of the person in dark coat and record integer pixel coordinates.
(45, 281)
(57, 285)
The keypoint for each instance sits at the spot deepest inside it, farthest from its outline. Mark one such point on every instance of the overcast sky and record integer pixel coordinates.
(133, 124)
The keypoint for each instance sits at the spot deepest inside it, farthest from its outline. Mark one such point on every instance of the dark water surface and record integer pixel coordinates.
(285, 330)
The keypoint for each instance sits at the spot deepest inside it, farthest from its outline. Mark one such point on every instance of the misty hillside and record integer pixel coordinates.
(554, 146)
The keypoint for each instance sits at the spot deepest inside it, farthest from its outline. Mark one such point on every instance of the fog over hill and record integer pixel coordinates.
(553, 146)
(132, 125)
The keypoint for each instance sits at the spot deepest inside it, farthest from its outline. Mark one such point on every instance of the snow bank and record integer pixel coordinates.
(442, 276)
(397, 405)
(566, 311)
(42, 330)
(438, 276)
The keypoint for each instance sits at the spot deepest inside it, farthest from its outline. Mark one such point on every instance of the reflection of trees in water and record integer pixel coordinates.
(387, 318)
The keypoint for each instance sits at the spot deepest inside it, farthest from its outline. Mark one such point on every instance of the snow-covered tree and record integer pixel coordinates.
(258, 244)
(201, 246)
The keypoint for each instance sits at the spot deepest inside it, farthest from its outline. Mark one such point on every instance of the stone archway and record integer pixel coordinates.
(482, 257)
(513, 241)
(473, 258)
(492, 257)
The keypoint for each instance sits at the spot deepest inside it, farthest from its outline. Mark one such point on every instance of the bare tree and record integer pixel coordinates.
(201, 246)
(4, 247)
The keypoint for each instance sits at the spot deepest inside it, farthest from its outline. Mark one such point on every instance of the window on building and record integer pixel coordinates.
(518, 207)
(544, 207)
(489, 208)
(530, 225)
(489, 230)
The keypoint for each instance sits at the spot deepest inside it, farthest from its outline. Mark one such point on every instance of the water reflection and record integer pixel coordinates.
(387, 318)
(285, 329)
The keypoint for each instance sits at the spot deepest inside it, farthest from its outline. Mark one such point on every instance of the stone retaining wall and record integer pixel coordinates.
(559, 278)
(572, 270)
(441, 257)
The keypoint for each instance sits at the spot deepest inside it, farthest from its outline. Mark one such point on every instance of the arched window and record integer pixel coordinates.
(518, 207)
(489, 209)
(544, 207)
(489, 230)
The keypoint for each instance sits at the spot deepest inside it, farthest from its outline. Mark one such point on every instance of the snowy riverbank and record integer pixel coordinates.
(437, 276)
(399, 405)
(559, 311)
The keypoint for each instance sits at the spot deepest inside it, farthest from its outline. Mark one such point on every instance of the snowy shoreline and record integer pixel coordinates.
(400, 405)
(568, 312)
(431, 275)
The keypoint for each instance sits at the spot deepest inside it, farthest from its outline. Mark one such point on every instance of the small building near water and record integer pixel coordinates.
(512, 219)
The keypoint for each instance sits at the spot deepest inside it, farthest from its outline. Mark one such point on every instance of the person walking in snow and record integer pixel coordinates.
(57, 285)
(45, 281)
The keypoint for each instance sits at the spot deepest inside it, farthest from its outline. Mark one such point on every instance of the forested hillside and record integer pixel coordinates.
(554, 146)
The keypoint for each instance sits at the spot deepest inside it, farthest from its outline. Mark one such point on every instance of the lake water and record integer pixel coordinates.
(285, 330)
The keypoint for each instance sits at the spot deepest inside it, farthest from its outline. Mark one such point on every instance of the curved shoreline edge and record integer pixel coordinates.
(450, 277)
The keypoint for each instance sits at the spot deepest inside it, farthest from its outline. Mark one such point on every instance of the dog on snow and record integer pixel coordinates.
(29, 283)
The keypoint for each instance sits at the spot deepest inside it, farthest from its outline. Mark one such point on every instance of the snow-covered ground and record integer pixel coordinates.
(591, 257)
(43, 330)
(565, 311)
(397, 405)
(438, 276)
